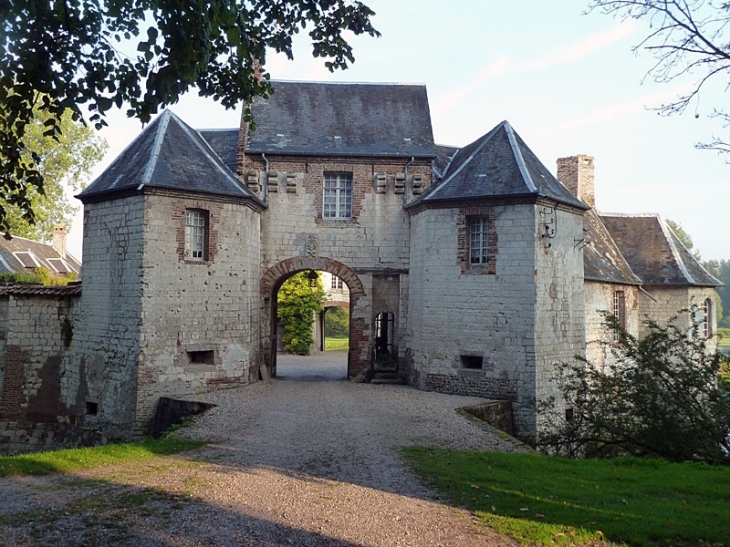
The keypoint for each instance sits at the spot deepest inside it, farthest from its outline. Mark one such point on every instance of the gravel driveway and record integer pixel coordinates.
(307, 459)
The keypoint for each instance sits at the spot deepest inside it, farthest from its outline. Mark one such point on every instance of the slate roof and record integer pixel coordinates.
(167, 154)
(224, 143)
(499, 164)
(25, 255)
(343, 119)
(654, 252)
(602, 259)
(22, 289)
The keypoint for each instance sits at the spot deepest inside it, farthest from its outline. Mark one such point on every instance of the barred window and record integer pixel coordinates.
(196, 234)
(478, 240)
(337, 195)
(619, 311)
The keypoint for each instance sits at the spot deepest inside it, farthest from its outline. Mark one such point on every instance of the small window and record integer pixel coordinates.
(336, 282)
(706, 318)
(337, 202)
(60, 266)
(92, 408)
(619, 311)
(196, 234)
(27, 259)
(478, 241)
(475, 362)
(201, 357)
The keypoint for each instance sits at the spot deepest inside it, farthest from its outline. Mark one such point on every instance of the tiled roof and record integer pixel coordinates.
(602, 260)
(499, 164)
(168, 154)
(343, 119)
(24, 255)
(225, 143)
(654, 252)
(22, 289)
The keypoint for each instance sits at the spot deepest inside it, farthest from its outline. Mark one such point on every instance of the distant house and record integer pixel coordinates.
(26, 255)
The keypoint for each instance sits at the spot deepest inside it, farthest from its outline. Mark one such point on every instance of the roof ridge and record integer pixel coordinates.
(488, 137)
(164, 120)
(673, 248)
(518, 156)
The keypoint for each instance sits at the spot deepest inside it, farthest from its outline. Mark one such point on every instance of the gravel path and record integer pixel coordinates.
(303, 460)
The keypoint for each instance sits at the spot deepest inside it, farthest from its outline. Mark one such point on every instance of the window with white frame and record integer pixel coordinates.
(336, 282)
(337, 202)
(619, 311)
(196, 234)
(706, 318)
(478, 240)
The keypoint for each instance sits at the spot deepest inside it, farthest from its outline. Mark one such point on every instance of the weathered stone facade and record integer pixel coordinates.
(483, 270)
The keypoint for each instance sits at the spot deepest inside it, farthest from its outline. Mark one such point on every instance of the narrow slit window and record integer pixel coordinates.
(619, 311)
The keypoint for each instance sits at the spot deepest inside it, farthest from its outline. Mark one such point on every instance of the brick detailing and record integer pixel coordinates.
(462, 240)
(277, 274)
(576, 174)
(13, 398)
(468, 385)
(177, 217)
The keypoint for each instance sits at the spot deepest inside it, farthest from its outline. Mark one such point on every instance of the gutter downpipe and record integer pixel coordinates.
(266, 179)
(646, 293)
(405, 182)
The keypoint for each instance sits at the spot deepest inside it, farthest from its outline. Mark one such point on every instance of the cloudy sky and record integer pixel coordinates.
(568, 83)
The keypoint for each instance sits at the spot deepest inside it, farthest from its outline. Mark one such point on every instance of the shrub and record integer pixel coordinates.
(296, 304)
(659, 398)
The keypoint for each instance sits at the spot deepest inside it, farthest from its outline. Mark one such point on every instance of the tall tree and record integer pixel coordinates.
(684, 237)
(60, 55)
(687, 38)
(65, 163)
(721, 270)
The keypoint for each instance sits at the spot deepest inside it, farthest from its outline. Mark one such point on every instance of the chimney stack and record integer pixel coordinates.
(576, 174)
(59, 239)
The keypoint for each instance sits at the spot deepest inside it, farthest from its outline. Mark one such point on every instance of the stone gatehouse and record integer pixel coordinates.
(489, 269)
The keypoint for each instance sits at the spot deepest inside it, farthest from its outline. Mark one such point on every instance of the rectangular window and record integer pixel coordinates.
(707, 318)
(336, 282)
(619, 311)
(478, 240)
(196, 234)
(337, 196)
(474, 362)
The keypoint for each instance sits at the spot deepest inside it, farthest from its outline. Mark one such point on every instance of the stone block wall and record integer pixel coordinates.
(560, 297)
(471, 330)
(39, 411)
(600, 338)
(199, 318)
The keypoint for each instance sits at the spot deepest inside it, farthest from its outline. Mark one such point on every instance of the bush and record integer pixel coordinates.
(660, 398)
(20, 277)
(337, 323)
(296, 304)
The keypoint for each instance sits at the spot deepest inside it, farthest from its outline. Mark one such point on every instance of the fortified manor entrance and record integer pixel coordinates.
(359, 356)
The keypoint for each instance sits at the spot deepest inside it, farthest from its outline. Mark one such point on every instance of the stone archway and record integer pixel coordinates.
(359, 354)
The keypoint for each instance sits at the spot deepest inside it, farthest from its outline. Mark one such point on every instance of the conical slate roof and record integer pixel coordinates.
(499, 165)
(655, 254)
(167, 154)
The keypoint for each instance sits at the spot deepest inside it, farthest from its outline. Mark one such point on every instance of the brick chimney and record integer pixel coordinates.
(576, 174)
(59, 239)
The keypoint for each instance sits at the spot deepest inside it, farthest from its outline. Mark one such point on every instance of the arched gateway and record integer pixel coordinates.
(359, 355)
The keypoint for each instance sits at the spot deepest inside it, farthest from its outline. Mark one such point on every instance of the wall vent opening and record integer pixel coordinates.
(201, 357)
(92, 408)
(474, 362)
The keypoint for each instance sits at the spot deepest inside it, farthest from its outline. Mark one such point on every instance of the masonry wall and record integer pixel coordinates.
(38, 411)
(600, 338)
(457, 311)
(374, 243)
(106, 349)
(669, 302)
(199, 319)
(560, 306)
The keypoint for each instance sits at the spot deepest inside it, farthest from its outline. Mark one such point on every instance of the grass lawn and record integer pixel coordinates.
(724, 337)
(540, 500)
(334, 344)
(65, 461)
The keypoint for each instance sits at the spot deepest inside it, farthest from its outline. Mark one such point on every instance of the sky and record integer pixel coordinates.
(568, 82)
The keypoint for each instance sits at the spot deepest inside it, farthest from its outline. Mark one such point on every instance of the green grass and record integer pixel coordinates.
(66, 461)
(724, 339)
(540, 500)
(334, 344)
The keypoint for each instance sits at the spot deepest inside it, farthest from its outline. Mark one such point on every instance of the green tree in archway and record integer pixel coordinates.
(297, 302)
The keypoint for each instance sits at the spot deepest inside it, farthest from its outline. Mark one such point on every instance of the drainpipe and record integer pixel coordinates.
(405, 182)
(646, 293)
(266, 180)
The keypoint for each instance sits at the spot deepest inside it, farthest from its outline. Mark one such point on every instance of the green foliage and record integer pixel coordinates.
(659, 397)
(64, 162)
(337, 322)
(297, 303)
(721, 270)
(684, 237)
(336, 344)
(20, 277)
(98, 54)
(42, 276)
(555, 501)
(67, 461)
